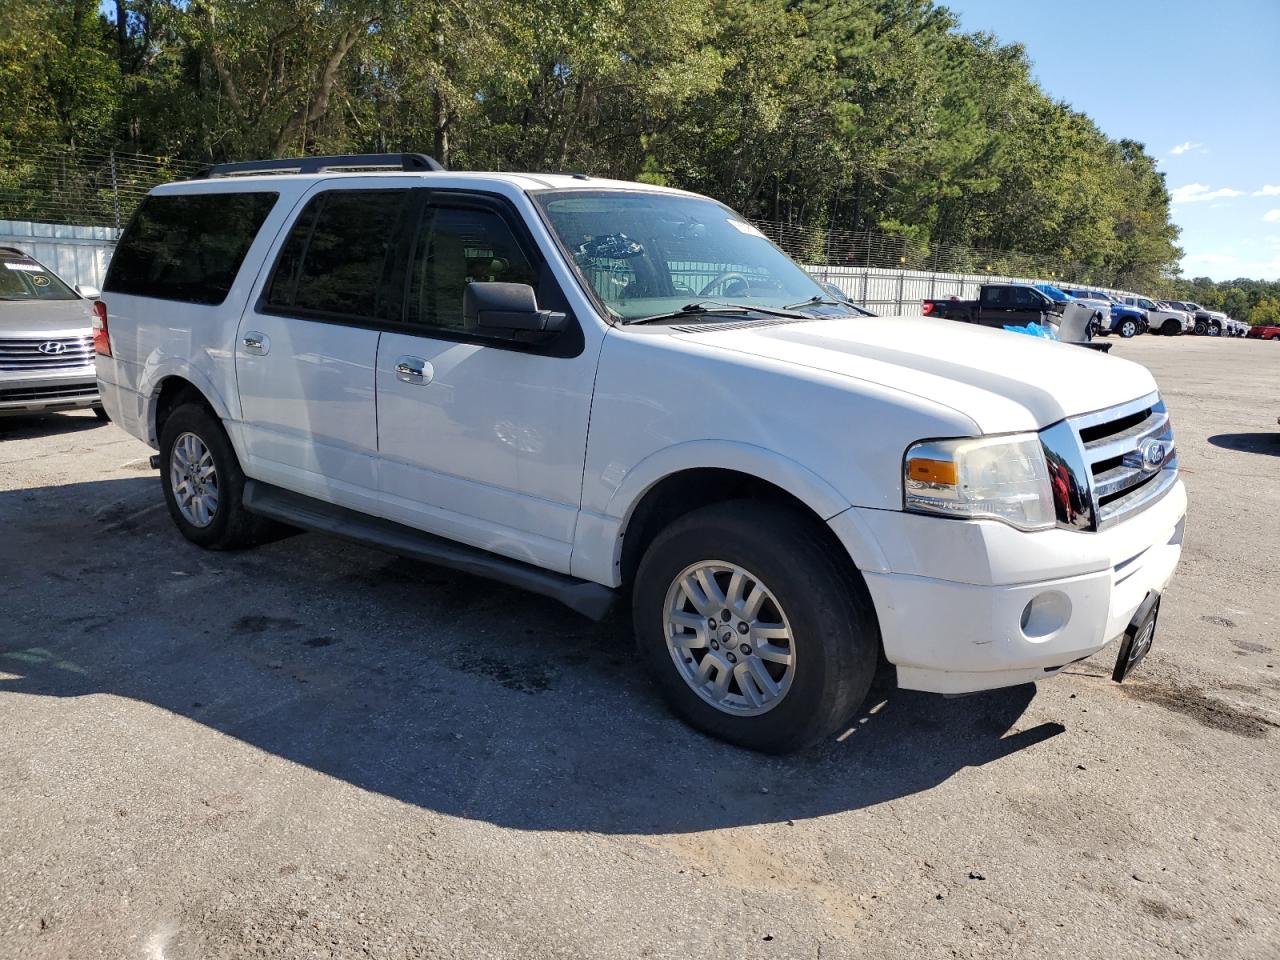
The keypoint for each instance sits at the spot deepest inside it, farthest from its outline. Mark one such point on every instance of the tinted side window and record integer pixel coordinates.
(457, 246)
(993, 296)
(335, 259)
(187, 247)
(1023, 298)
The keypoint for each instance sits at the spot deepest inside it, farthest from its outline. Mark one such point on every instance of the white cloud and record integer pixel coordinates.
(1195, 192)
(1182, 148)
(1268, 190)
(1272, 216)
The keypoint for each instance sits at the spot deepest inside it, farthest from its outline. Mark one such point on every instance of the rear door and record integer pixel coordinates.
(993, 306)
(307, 346)
(1024, 306)
(481, 440)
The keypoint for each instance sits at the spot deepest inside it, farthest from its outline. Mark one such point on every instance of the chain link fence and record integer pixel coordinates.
(49, 188)
(73, 186)
(879, 250)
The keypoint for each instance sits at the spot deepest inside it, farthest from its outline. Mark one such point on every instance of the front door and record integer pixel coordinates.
(481, 440)
(306, 349)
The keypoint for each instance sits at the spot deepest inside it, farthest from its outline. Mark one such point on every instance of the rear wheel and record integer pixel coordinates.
(1215, 330)
(1171, 328)
(748, 621)
(203, 483)
(1201, 328)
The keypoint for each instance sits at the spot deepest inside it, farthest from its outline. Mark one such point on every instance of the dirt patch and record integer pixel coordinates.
(259, 624)
(1204, 709)
(521, 677)
(1219, 621)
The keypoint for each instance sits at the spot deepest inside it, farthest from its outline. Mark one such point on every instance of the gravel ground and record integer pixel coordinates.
(316, 750)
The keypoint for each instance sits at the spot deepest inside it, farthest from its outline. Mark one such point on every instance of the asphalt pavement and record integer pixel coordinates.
(310, 749)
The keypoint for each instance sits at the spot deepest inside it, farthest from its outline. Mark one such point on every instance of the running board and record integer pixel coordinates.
(587, 598)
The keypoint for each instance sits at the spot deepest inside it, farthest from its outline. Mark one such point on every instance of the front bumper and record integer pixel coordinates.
(975, 605)
(48, 392)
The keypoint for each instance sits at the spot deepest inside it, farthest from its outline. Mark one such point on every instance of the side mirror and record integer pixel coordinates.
(88, 292)
(506, 309)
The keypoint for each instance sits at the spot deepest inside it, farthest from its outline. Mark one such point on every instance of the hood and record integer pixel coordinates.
(1002, 381)
(19, 318)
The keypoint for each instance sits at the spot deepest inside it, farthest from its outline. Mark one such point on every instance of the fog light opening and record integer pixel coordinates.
(1045, 614)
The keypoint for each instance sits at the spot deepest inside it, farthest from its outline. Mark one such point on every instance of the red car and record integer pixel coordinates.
(1264, 333)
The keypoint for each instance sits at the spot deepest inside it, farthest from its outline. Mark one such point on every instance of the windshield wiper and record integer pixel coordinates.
(816, 301)
(705, 307)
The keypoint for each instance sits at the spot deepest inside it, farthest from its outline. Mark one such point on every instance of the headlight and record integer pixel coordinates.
(999, 478)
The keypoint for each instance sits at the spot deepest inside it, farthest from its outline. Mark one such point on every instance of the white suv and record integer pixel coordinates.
(588, 387)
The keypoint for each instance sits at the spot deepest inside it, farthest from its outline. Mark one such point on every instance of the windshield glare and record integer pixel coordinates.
(22, 278)
(645, 254)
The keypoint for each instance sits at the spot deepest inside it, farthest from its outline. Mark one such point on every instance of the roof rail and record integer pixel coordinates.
(353, 161)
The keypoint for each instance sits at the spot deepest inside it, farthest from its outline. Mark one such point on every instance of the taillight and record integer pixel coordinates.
(928, 308)
(101, 337)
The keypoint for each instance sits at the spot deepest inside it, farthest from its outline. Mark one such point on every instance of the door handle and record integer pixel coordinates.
(255, 342)
(413, 370)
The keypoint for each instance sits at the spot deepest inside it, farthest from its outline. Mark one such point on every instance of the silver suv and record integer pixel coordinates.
(46, 339)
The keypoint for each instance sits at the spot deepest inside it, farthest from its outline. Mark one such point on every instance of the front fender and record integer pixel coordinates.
(598, 538)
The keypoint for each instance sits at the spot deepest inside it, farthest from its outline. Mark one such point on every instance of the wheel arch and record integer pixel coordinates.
(171, 392)
(650, 498)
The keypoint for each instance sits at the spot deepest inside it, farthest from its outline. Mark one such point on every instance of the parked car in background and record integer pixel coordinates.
(1125, 317)
(1163, 320)
(1096, 302)
(1264, 333)
(1118, 317)
(600, 390)
(46, 339)
(998, 305)
(1205, 324)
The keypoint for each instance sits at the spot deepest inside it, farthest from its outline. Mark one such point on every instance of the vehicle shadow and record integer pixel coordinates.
(1265, 443)
(26, 426)
(435, 688)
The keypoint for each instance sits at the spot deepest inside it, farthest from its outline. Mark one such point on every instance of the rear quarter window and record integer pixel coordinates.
(187, 247)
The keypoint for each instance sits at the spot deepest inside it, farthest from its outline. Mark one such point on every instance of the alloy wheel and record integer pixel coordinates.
(729, 638)
(194, 480)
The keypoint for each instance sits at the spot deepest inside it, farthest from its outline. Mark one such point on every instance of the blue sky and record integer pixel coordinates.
(1197, 82)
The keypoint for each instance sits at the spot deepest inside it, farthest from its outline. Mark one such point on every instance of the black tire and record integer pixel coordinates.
(835, 636)
(1171, 328)
(1201, 328)
(1128, 328)
(102, 414)
(231, 525)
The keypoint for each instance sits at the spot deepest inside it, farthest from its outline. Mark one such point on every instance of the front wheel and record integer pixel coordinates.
(751, 625)
(203, 483)
(1128, 328)
(1171, 328)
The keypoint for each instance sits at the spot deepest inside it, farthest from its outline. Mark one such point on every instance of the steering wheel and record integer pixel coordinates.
(721, 278)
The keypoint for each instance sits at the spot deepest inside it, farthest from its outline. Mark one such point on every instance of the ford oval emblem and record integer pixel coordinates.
(1154, 453)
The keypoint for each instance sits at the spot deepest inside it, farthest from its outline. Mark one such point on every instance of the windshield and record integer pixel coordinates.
(22, 278)
(647, 254)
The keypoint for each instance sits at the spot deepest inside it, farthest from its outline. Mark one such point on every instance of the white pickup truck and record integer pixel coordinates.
(591, 388)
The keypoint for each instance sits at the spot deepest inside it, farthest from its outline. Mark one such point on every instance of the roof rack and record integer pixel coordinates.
(354, 161)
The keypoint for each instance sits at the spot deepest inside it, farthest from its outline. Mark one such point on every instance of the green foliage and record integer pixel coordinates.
(849, 115)
(1255, 301)
(1265, 313)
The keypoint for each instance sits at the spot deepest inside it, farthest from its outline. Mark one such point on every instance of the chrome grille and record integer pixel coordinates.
(26, 354)
(1112, 463)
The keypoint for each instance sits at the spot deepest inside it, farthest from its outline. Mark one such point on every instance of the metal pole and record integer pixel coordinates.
(115, 190)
